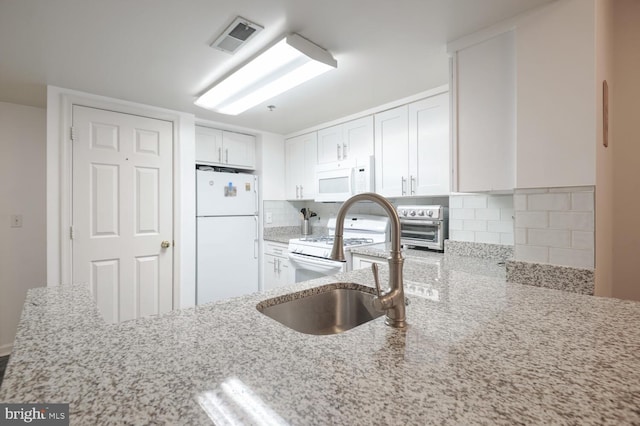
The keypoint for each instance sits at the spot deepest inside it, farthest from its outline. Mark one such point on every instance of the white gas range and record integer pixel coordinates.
(310, 256)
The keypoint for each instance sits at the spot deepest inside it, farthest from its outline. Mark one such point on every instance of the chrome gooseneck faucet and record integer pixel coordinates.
(391, 301)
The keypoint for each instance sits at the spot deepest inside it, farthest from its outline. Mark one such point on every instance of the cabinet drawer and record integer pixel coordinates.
(275, 249)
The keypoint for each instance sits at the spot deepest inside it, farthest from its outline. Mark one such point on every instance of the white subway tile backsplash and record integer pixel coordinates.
(455, 224)
(487, 214)
(507, 214)
(481, 218)
(506, 239)
(500, 202)
(582, 240)
(549, 238)
(582, 201)
(487, 237)
(571, 220)
(459, 235)
(475, 202)
(548, 202)
(475, 225)
(500, 226)
(520, 202)
(571, 257)
(455, 202)
(529, 253)
(467, 214)
(555, 225)
(532, 220)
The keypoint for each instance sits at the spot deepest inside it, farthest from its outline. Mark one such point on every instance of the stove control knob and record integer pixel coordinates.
(403, 212)
(430, 213)
(420, 212)
(413, 213)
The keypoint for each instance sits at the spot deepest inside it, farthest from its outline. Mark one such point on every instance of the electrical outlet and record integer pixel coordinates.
(16, 221)
(269, 217)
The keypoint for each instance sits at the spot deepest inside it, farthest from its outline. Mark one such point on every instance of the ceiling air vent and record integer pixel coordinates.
(236, 35)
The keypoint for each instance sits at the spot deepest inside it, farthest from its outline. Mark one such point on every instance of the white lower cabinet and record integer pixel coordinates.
(276, 265)
(361, 261)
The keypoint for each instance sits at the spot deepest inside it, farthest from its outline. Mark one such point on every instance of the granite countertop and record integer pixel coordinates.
(477, 350)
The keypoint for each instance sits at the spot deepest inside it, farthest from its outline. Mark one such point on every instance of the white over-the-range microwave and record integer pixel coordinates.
(342, 179)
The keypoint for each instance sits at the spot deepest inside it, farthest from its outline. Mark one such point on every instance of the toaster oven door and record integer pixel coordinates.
(422, 233)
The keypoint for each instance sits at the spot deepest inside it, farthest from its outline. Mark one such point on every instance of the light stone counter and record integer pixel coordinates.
(477, 351)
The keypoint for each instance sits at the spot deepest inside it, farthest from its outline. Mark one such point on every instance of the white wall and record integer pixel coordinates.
(626, 150)
(556, 97)
(22, 191)
(604, 195)
(271, 166)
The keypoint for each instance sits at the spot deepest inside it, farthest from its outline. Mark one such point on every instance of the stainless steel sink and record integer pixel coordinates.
(330, 309)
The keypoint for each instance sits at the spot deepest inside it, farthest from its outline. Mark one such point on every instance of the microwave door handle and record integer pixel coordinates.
(352, 181)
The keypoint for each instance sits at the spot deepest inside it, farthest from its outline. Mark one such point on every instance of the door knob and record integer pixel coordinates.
(165, 244)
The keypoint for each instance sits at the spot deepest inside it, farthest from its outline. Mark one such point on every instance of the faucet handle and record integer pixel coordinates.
(374, 269)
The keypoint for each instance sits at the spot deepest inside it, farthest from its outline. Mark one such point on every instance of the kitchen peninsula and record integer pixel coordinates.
(477, 350)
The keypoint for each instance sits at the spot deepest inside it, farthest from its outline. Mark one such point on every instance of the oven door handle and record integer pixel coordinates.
(420, 222)
(315, 264)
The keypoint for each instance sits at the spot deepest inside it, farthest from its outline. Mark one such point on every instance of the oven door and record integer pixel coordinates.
(305, 268)
(422, 233)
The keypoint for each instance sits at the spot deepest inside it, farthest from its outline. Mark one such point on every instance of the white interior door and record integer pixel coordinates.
(123, 211)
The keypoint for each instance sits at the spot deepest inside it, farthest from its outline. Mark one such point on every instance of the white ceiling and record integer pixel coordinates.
(157, 51)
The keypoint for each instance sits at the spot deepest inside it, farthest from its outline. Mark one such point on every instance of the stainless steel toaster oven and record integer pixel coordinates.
(424, 226)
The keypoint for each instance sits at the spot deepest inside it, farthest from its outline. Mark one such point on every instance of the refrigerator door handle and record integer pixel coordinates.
(256, 241)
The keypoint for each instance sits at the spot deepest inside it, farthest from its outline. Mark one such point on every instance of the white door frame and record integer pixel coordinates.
(59, 177)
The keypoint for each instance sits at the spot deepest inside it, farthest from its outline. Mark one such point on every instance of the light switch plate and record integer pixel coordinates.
(269, 217)
(16, 221)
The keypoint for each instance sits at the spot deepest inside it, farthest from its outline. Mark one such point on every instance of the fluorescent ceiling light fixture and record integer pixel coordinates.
(285, 65)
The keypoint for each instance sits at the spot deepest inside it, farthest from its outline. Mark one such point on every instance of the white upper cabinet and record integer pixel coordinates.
(429, 160)
(350, 140)
(239, 149)
(301, 155)
(412, 148)
(208, 145)
(484, 98)
(392, 151)
(229, 149)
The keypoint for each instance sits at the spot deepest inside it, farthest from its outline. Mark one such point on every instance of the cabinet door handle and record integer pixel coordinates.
(219, 155)
(344, 151)
(338, 148)
(404, 186)
(301, 196)
(278, 266)
(413, 185)
(297, 191)
(274, 265)
(226, 156)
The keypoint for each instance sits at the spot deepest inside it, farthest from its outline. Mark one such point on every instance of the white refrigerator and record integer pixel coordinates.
(227, 235)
